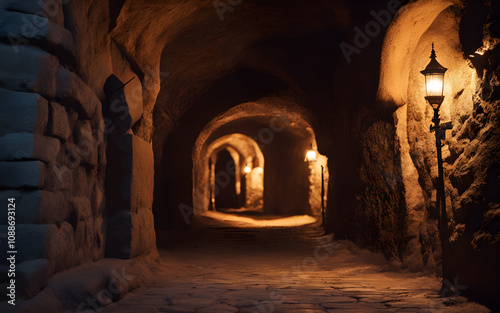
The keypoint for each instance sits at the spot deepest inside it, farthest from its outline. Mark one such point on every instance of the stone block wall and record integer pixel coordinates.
(53, 140)
(52, 157)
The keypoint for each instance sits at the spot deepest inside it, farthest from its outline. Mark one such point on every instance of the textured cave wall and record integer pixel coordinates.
(366, 196)
(471, 148)
(456, 107)
(474, 181)
(382, 210)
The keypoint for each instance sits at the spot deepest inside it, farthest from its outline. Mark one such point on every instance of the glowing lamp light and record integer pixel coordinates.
(434, 87)
(434, 81)
(247, 169)
(434, 84)
(311, 155)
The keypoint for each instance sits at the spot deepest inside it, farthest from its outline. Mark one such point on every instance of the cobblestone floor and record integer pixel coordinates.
(218, 267)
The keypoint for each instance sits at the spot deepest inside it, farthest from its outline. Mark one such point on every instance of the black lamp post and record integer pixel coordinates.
(434, 87)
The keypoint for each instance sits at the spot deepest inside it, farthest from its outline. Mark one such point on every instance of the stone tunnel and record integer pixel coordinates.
(248, 156)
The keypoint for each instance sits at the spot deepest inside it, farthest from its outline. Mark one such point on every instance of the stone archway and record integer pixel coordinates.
(280, 128)
(248, 182)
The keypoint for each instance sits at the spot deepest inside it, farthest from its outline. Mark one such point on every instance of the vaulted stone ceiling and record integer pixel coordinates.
(189, 46)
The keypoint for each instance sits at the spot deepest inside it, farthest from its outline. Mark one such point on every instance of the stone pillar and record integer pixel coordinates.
(129, 180)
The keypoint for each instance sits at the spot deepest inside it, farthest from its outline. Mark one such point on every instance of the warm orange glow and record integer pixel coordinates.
(434, 84)
(247, 169)
(311, 156)
(243, 221)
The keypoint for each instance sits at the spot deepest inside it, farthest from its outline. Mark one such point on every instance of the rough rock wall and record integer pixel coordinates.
(473, 178)
(470, 152)
(395, 209)
(381, 204)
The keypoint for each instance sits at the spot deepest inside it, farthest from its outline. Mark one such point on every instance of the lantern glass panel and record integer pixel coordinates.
(434, 84)
(311, 156)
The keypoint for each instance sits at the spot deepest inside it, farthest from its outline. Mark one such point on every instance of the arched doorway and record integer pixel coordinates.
(234, 170)
(224, 193)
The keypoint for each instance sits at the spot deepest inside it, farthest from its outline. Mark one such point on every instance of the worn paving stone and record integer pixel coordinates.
(208, 269)
(32, 276)
(197, 302)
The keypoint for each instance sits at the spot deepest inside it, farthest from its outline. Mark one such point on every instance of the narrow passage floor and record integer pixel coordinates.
(232, 266)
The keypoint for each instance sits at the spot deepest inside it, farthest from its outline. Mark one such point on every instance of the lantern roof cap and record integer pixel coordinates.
(434, 66)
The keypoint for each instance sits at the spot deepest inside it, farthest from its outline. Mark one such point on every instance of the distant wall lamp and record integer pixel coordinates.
(434, 88)
(247, 169)
(312, 156)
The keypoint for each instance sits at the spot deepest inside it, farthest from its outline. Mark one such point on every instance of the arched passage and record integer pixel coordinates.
(192, 66)
(247, 172)
(272, 139)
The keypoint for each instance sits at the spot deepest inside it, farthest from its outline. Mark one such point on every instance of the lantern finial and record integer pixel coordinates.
(433, 52)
